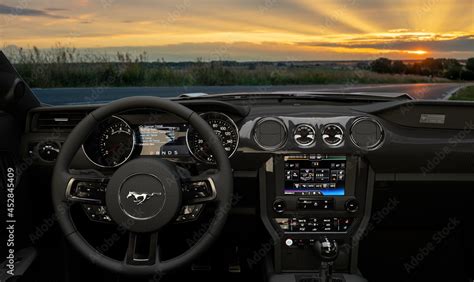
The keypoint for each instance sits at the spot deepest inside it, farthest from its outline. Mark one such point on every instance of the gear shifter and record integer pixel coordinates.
(327, 250)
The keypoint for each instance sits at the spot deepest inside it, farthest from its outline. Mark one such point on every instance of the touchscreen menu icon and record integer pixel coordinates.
(307, 174)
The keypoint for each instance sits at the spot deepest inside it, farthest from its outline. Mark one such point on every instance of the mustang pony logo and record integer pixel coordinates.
(140, 198)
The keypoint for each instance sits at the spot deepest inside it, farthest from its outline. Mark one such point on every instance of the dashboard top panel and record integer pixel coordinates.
(401, 130)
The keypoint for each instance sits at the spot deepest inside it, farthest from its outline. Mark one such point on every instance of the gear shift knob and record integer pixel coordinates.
(326, 249)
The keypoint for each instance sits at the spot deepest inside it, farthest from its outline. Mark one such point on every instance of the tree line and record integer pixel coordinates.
(441, 67)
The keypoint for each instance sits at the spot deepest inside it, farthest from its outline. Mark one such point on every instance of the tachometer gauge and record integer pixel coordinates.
(224, 127)
(111, 144)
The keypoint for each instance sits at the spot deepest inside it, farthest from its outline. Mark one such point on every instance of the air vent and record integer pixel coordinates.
(57, 120)
(332, 134)
(304, 135)
(366, 133)
(270, 133)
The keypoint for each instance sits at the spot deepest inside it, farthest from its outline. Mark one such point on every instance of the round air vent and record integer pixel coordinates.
(366, 133)
(332, 134)
(270, 133)
(304, 134)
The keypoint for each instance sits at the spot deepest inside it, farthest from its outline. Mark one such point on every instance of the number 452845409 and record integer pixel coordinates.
(10, 192)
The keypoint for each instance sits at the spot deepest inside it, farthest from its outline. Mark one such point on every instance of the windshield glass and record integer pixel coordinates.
(82, 52)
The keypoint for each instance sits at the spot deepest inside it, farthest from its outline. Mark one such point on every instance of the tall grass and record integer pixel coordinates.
(63, 66)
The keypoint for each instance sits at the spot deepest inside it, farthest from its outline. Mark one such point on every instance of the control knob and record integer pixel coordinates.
(48, 151)
(352, 205)
(279, 205)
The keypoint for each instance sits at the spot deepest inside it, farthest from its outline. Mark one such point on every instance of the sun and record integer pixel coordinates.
(417, 52)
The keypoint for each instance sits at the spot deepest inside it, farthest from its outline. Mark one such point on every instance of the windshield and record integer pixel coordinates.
(84, 52)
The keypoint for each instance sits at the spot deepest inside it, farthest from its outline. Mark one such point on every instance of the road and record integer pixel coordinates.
(61, 96)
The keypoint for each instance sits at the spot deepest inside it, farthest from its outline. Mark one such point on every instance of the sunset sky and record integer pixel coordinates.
(178, 30)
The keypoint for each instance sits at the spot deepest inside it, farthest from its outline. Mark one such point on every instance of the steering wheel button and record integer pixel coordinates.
(196, 190)
(188, 210)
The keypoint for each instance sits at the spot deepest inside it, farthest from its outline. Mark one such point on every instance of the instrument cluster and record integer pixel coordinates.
(115, 140)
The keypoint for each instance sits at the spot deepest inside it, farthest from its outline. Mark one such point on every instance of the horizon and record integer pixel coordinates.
(111, 58)
(246, 31)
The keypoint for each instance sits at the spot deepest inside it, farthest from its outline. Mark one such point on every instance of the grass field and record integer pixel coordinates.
(465, 94)
(66, 67)
(210, 74)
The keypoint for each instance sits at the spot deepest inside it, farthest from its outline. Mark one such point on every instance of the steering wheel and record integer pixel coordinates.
(143, 195)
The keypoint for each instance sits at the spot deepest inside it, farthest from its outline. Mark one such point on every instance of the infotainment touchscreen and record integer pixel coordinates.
(315, 175)
(167, 140)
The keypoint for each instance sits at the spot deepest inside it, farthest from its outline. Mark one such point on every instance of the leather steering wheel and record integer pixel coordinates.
(153, 176)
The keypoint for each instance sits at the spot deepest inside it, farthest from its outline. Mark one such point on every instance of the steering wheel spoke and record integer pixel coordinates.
(142, 249)
(90, 193)
(196, 192)
(199, 189)
(86, 190)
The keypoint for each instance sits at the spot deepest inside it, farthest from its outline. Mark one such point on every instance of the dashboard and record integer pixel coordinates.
(306, 170)
(252, 134)
(303, 170)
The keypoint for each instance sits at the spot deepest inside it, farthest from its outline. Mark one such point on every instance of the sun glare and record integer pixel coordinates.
(418, 52)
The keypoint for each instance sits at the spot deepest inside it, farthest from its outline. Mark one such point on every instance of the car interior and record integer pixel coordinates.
(300, 187)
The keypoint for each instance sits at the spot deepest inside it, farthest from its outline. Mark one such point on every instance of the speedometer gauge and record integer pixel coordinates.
(111, 144)
(224, 127)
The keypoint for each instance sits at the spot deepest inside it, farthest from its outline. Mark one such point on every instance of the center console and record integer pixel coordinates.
(311, 197)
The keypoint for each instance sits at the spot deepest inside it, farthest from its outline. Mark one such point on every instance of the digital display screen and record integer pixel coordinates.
(315, 175)
(163, 140)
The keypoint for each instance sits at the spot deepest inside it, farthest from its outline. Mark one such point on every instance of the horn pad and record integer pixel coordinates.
(144, 194)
